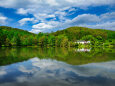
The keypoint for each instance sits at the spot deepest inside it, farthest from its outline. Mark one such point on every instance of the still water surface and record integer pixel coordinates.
(57, 67)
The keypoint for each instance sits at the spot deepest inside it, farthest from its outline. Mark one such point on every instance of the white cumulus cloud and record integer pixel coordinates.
(55, 9)
(41, 27)
(2, 19)
(24, 20)
(22, 11)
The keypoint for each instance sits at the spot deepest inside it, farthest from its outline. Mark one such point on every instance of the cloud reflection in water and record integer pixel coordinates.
(47, 72)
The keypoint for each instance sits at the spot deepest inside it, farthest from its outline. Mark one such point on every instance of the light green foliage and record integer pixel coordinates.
(89, 38)
(51, 40)
(64, 42)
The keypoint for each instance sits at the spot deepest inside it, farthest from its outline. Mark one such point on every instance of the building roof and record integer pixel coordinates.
(81, 41)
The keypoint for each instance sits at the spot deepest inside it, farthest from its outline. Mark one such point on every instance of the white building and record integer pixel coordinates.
(83, 42)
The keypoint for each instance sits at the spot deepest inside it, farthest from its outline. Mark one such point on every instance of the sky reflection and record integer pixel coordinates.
(42, 72)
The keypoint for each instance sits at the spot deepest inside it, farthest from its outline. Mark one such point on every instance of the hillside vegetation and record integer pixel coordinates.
(64, 38)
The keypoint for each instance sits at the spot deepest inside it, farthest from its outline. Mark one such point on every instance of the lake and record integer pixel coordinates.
(57, 67)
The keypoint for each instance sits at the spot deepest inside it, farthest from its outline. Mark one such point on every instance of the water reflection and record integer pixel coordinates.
(83, 50)
(69, 56)
(56, 67)
(47, 72)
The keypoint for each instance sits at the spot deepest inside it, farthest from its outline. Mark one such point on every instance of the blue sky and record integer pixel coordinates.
(52, 15)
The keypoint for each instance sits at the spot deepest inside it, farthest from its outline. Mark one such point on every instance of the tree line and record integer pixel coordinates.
(64, 38)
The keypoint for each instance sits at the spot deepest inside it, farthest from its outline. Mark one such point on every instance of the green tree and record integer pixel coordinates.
(64, 42)
(89, 38)
(2, 38)
(7, 42)
(41, 41)
(51, 40)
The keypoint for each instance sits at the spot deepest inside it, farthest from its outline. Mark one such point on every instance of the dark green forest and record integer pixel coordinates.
(64, 38)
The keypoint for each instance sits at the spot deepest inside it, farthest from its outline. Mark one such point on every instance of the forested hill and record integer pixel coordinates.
(17, 37)
(77, 33)
(10, 30)
(14, 36)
